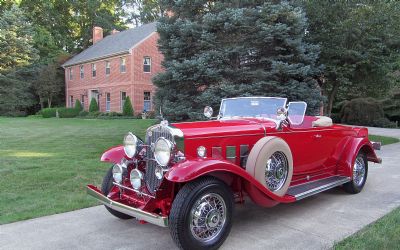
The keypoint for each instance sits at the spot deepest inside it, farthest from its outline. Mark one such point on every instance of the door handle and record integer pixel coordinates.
(317, 136)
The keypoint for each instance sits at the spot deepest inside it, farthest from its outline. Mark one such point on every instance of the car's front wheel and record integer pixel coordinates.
(106, 187)
(201, 214)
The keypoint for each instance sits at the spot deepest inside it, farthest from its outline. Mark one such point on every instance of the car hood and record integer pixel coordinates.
(223, 128)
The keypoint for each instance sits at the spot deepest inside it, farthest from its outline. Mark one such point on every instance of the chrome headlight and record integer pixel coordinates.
(130, 145)
(162, 151)
(136, 178)
(117, 172)
(201, 151)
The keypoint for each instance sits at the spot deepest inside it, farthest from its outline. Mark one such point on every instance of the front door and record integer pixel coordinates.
(95, 94)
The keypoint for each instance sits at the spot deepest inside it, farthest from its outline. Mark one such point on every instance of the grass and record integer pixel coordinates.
(383, 139)
(383, 234)
(46, 163)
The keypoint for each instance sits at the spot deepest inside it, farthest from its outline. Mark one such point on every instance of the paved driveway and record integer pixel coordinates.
(313, 223)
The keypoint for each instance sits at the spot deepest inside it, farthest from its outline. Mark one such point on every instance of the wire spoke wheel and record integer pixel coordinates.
(207, 217)
(276, 171)
(359, 171)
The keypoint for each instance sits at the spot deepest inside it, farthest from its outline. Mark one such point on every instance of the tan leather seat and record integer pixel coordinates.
(322, 121)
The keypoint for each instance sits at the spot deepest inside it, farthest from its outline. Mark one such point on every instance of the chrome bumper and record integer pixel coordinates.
(155, 219)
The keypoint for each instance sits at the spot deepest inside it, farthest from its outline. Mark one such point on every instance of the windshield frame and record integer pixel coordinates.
(219, 117)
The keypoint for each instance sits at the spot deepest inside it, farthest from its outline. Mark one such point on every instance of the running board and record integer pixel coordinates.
(310, 188)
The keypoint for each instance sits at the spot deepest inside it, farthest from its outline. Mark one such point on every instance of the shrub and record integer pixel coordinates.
(391, 106)
(83, 113)
(78, 105)
(127, 110)
(94, 114)
(49, 112)
(93, 107)
(67, 112)
(363, 111)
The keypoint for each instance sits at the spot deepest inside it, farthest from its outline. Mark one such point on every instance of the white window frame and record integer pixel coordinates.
(147, 64)
(70, 73)
(122, 65)
(71, 101)
(83, 101)
(122, 102)
(108, 67)
(94, 73)
(82, 71)
(146, 101)
(108, 102)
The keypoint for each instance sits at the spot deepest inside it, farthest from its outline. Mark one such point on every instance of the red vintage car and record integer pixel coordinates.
(188, 176)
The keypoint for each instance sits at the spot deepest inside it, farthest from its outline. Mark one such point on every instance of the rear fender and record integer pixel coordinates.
(191, 169)
(350, 153)
(113, 155)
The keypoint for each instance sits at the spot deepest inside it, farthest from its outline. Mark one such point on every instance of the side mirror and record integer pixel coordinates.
(208, 112)
(296, 112)
(281, 114)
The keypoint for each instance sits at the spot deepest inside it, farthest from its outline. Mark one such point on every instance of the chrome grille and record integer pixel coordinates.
(152, 134)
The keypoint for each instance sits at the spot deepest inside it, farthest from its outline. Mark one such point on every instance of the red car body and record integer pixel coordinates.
(319, 153)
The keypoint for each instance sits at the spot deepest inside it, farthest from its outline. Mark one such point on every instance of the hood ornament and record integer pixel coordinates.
(163, 122)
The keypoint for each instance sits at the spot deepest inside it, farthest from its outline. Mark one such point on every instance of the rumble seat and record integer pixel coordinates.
(322, 121)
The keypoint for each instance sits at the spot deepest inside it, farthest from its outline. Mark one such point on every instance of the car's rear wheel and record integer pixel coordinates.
(106, 187)
(360, 173)
(271, 163)
(201, 214)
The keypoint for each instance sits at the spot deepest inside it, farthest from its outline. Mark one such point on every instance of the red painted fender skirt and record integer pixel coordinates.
(113, 155)
(192, 169)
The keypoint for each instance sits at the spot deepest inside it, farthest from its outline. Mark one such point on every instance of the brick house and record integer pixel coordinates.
(114, 67)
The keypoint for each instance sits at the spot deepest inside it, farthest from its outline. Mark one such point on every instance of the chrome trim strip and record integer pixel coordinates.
(152, 218)
(223, 136)
(321, 188)
(133, 190)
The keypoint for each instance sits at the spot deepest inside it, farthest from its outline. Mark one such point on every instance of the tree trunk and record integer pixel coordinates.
(49, 102)
(331, 98)
(41, 103)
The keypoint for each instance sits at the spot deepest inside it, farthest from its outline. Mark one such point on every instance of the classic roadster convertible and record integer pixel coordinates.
(188, 176)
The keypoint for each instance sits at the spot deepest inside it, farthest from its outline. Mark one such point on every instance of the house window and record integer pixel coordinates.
(146, 64)
(123, 98)
(81, 71)
(122, 65)
(70, 73)
(71, 101)
(93, 69)
(108, 67)
(108, 102)
(83, 101)
(147, 102)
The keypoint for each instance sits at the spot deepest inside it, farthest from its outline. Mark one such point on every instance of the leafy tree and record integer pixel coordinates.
(359, 43)
(48, 84)
(15, 96)
(217, 49)
(93, 107)
(127, 109)
(16, 43)
(142, 11)
(78, 105)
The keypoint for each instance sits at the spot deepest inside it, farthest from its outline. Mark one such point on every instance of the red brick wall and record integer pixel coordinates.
(134, 81)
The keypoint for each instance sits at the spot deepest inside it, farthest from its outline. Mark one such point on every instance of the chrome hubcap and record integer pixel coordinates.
(359, 171)
(276, 171)
(207, 217)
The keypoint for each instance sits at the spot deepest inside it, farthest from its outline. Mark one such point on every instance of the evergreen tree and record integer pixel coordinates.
(215, 49)
(127, 109)
(93, 107)
(78, 105)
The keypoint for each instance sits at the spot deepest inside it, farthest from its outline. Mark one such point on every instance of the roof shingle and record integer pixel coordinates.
(114, 44)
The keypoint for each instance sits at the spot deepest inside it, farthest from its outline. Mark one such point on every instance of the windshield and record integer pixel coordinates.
(260, 107)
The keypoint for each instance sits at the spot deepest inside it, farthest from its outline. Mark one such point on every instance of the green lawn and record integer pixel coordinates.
(383, 234)
(384, 139)
(46, 163)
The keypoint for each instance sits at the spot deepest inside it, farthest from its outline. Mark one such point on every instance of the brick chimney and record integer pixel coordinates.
(97, 34)
(114, 31)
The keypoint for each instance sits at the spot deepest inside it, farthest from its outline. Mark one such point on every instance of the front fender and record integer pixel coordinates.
(350, 153)
(113, 155)
(191, 169)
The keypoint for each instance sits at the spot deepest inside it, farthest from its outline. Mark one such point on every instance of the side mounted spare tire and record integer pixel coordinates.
(271, 163)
